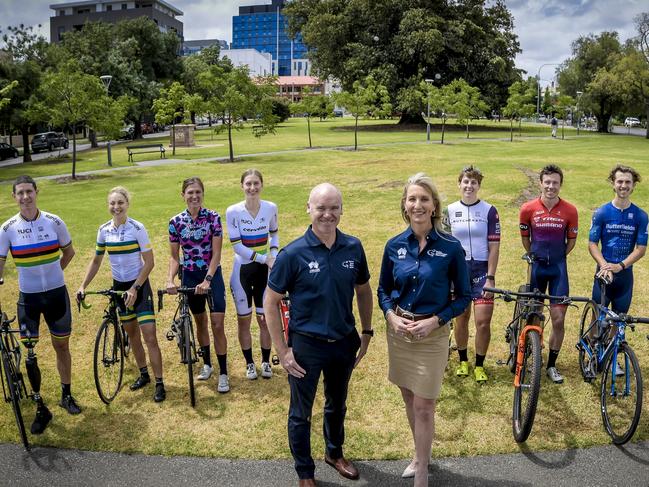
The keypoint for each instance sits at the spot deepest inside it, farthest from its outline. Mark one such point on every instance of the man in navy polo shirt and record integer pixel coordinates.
(321, 271)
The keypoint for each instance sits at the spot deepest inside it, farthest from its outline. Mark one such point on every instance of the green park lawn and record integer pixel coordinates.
(250, 421)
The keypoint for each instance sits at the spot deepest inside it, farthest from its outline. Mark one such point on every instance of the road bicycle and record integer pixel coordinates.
(285, 314)
(111, 346)
(603, 349)
(13, 384)
(183, 332)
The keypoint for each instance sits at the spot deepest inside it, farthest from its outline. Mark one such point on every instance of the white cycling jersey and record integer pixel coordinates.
(34, 247)
(250, 236)
(124, 245)
(474, 226)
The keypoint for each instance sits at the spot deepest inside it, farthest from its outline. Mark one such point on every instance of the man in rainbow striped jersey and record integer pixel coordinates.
(41, 249)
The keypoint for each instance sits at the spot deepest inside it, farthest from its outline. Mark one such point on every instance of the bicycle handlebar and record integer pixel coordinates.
(183, 290)
(110, 292)
(536, 295)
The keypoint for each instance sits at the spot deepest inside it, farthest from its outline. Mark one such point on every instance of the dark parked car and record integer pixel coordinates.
(7, 151)
(49, 141)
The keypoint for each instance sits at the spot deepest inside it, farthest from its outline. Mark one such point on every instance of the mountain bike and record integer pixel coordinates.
(13, 384)
(603, 349)
(525, 337)
(111, 346)
(183, 332)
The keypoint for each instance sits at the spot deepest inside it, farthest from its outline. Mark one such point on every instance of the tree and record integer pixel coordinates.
(590, 69)
(25, 58)
(402, 43)
(466, 102)
(323, 106)
(634, 67)
(562, 107)
(233, 97)
(367, 98)
(6, 91)
(522, 95)
(72, 98)
(171, 105)
(307, 107)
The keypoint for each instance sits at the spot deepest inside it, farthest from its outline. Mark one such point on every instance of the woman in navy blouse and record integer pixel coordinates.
(419, 265)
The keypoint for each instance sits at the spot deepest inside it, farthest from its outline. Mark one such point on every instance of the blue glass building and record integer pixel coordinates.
(263, 27)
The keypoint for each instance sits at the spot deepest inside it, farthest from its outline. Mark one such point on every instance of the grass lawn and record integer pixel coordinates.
(250, 422)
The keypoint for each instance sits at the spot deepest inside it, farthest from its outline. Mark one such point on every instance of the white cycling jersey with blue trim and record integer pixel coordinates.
(474, 226)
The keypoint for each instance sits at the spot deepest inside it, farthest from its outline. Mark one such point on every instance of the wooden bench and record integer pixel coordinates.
(141, 149)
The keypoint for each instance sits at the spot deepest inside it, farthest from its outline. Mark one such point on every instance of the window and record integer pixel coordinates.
(61, 31)
(109, 8)
(61, 13)
(124, 6)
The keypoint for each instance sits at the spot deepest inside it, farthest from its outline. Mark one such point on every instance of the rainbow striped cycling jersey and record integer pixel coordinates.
(124, 245)
(249, 235)
(35, 248)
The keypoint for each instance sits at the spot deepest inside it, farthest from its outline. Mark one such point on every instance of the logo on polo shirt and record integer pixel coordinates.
(348, 264)
(401, 253)
(314, 267)
(436, 253)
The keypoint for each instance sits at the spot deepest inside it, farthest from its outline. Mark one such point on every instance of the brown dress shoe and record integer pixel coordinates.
(343, 467)
(307, 483)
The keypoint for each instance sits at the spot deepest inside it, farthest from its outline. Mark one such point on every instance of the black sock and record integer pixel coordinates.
(247, 353)
(265, 354)
(206, 355)
(463, 355)
(144, 371)
(223, 363)
(65, 390)
(158, 380)
(552, 358)
(479, 360)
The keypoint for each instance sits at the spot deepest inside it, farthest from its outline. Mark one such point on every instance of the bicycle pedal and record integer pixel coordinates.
(199, 352)
(170, 335)
(275, 360)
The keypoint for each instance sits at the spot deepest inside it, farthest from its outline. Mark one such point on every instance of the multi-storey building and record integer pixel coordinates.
(264, 27)
(73, 15)
(196, 46)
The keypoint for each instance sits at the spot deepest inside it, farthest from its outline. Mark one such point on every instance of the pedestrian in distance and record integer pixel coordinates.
(41, 249)
(252, 228)
(198, 234)
(321, 271)
(554, 123)
(475, 223)
(131, 260)
(549, 227)
(419, 267)
(621, 228)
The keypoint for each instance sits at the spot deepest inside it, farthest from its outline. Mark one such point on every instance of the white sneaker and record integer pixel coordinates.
(554, 375)
(251, 371)
(266, 370)
(224, 383)
(206, 372)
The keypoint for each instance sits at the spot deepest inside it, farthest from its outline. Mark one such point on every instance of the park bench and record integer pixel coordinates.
(141, 149)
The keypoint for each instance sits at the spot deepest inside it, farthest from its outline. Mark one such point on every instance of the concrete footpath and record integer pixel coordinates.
(607, 465)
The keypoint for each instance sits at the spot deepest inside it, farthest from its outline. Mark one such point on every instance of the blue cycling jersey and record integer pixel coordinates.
(619, 230)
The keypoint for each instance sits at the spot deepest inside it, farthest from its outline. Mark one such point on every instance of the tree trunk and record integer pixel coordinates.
(467, 129)
(511, 130)
(137, 128)
(520, 127)
(27, 154)
(408, 118)
(356, 134)
(308, 124)
(230, 138)
(647, 121)
(92, 136)
(443, 128)
(563, 124)
(173, 139)
(74, 151)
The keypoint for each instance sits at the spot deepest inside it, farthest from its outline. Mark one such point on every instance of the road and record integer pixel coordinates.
(606, 465)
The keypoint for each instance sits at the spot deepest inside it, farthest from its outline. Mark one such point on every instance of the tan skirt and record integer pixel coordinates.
(418, 365)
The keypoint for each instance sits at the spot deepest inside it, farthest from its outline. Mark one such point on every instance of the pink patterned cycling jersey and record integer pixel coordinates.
(195, 237)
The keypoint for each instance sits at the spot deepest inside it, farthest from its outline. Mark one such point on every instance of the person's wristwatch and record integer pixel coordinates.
(208, 278)
(369, 332)
(441, 321)
(491, 278)
(137, 287)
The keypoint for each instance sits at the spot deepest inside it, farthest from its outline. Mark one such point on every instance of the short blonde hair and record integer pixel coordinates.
(423, 181)
(121, 190)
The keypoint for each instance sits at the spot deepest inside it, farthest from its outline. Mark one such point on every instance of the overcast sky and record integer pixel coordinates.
(545, 28)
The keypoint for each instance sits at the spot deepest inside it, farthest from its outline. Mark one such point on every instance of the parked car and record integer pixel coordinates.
(7, 151)
(631, 122)
(49, 141)
(338, 112)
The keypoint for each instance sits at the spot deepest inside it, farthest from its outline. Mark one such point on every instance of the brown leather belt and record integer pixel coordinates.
(412, 316)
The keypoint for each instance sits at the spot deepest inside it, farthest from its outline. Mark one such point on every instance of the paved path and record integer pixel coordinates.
(607, 465)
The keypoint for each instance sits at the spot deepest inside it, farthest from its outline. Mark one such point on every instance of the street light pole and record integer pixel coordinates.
(106, 79)
(538, 85)
(579, 93)
(430, 82)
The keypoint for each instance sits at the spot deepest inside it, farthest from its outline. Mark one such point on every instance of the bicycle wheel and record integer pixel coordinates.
(13, 388)
(588, 328)
(526, 395)
(108, 360)
(189, 359)
(519, 321)
(125, 342)
(621, 395)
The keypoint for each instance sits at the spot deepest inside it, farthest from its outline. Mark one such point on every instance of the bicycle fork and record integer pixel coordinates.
(520, 350)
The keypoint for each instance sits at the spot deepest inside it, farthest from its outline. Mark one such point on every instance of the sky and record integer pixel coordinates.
(545, 28)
